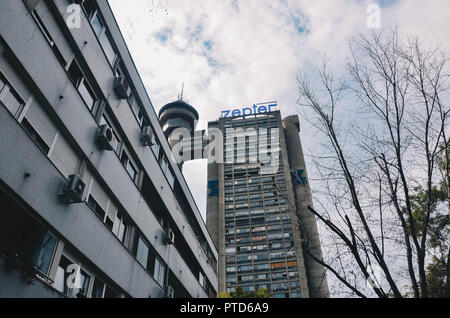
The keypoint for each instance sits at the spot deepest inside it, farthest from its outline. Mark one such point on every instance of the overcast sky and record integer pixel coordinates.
(232, 54)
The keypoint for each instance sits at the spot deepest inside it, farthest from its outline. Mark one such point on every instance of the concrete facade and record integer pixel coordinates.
(50, 73)
(259, 220)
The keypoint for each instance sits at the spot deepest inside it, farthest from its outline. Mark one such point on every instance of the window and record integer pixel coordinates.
(201, 279)
(292, 263)
(132, 171)
(44, 253)
(246, 278)
(155, 148)
(101, 290)
(164, 163)
(98, 289)
(2, 84)
(142, 252)
(231, 269)
(93, 204)
(85, 90)
(23, 236)
(105, 42)
(75, 74)
(231, 279)
(159, 272)
(295, 284)
(100, 30)
(248, 288)
(245, 268)
(66, 279)
(120, 227)
(48, 36)
(87, 95)
(10, 99)
(35, 136)
(278, 265)
(109, 293)
(89, 8)
(230, 251)
(261, 267)
(170, 177)
(97, 25)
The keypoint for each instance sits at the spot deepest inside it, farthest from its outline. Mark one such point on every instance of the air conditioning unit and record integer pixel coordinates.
(169, 236)
(147, 136)
(169, 292)
(73, 190)
(105, 138)
(122, 87)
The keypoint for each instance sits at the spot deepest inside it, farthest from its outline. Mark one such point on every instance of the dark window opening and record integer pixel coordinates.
(24, 241)
(35, 136)
(96, 208)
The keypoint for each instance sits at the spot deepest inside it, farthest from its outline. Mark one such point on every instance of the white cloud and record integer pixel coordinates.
(228, 58)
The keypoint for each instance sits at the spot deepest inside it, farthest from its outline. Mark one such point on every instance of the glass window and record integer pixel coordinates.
(108, 48)
(246, 278)
(164, 163)
(96, 208)
(245, 268)
(120, 227)
(170, 178)
(85, 279)
(98, 289)
(2, 83)
(201, 279)
(231, 279)
(35, 136)
(140, 117)
(97, 25)
(89, 7)
(296, 295)
(159, 272)
(132, 171)
(231, 269)
(248, 288)
(155, 148)
(261, 267)
(12, 101)
(295, 284)
(142, 252)
(67, 282)
(87, 95)
(59, 282)
(44, 254)
(109, 293)
(75, 74)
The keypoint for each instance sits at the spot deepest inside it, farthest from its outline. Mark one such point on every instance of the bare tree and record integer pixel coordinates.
(380, 155)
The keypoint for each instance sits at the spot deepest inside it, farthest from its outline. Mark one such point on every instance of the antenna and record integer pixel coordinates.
(235, 4)
(182, 92)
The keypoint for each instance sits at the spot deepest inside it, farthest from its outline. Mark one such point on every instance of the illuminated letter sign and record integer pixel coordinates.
(253, 110)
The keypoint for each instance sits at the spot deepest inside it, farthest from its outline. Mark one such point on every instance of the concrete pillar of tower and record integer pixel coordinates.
(215, 211)
(317, 279)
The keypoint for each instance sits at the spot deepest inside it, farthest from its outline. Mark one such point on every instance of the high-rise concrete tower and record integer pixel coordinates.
(257, 211)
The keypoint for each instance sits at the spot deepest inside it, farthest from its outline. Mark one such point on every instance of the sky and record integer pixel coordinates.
(235, 53)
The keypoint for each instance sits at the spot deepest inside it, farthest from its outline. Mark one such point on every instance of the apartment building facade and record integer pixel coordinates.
(257, 207)
(91, 203)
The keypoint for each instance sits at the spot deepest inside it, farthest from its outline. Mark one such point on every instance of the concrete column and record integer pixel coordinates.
(317, 279)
